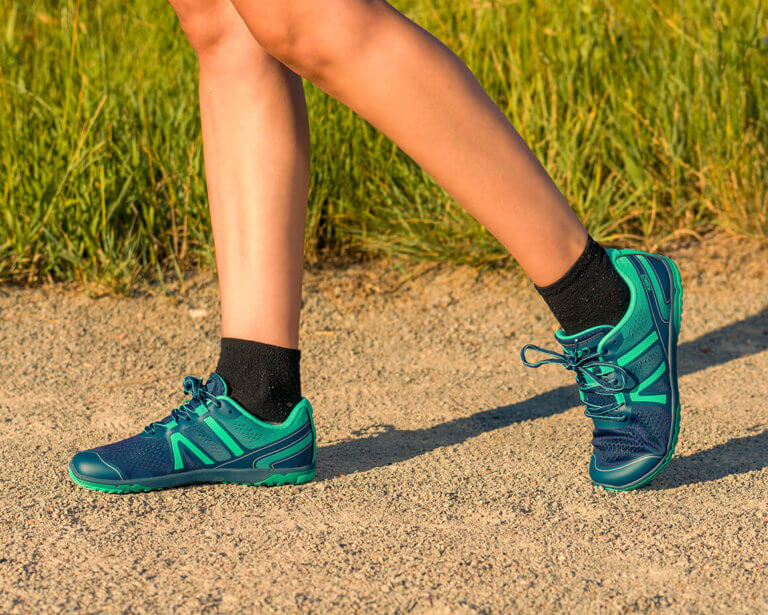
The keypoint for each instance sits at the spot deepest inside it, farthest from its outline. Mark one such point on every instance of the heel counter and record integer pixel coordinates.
(310, 417)
(300, 448)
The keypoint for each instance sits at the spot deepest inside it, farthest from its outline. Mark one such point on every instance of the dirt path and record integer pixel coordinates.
(451, 479)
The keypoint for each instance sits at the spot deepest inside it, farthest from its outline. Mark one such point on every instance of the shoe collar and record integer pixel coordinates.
(601, 335)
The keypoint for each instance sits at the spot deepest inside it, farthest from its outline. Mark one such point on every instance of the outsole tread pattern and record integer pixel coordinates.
(294, 478)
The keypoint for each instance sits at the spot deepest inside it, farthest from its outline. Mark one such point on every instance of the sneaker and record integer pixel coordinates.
(208, 439)
(627, 374)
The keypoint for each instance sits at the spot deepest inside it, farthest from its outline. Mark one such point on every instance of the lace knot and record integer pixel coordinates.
(594, 374)
(199, 395)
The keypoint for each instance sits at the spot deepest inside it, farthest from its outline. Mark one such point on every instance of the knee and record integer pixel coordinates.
(206, 23)
(318, 44)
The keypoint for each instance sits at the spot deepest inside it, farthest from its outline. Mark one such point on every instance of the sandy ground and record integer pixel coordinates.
(451, 479)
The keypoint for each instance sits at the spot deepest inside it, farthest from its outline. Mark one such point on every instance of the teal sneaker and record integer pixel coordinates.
(627, 374)
(208, 439)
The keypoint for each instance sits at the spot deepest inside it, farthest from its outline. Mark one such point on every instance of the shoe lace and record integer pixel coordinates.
(592, 376)
(195, 388)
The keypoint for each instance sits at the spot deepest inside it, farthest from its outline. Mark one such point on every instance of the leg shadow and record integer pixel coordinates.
(390, 445)
(739, 339)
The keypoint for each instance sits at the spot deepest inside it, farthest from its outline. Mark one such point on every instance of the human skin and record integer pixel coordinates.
(395, 75)
(256, 148)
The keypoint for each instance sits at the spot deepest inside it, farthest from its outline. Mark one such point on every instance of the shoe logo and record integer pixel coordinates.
(647, 283)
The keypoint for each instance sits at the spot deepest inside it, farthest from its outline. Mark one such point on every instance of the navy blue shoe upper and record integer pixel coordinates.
(627, 374)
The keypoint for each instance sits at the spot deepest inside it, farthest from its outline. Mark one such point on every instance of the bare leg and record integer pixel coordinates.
(415, 90)
(256, 145)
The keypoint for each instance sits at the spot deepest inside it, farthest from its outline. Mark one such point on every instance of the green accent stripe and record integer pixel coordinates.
(635, 352)
(654, 278)
(284, 454)
(658, 399)
(178, 463)
(228, 440)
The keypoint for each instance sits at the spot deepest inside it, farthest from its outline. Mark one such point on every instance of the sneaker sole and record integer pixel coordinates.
(676, 322)
(298, 477)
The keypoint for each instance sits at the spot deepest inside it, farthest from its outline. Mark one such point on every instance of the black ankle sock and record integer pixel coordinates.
(262, 378)
(591, 293)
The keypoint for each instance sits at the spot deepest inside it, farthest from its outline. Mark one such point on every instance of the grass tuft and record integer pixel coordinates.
(651, 116)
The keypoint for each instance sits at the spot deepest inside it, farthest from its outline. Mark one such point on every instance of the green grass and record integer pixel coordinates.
(651, 116)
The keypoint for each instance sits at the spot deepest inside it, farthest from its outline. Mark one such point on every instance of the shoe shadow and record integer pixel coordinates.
(383, 445)
(737, 456)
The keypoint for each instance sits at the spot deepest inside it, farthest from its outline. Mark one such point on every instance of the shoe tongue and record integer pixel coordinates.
(216, 385)
(585, 340)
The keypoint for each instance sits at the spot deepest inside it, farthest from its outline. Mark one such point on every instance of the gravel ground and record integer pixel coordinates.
(450, 480)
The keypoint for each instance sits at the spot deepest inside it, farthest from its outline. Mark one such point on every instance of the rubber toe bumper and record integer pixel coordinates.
(89, 464)
(627, 474)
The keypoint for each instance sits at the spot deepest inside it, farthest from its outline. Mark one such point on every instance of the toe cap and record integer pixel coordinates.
(89, 464)
(624, 475)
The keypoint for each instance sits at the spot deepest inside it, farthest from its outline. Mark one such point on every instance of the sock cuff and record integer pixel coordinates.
(233, 346)
(592, 252)
(591, 293)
